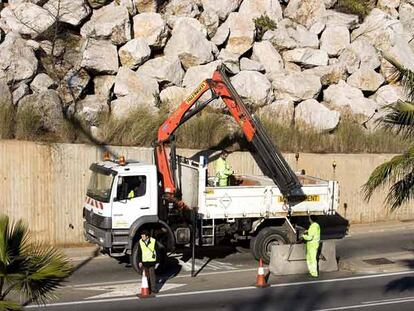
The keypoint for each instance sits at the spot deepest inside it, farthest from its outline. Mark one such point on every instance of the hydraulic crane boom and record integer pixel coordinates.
(267, 156)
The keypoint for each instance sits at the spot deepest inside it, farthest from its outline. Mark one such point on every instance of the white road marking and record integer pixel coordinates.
(391, 299)
(213, 265)
(239, 289)
(363, 305)
(123, 290)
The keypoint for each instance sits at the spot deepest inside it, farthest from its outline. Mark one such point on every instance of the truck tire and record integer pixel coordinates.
(162, 257)
(260, 245)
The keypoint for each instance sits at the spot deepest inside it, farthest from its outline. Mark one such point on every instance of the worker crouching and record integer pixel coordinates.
(147, 258)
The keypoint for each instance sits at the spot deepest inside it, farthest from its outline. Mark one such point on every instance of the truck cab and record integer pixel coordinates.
(118, 197)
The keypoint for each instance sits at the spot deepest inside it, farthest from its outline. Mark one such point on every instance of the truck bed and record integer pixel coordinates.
(258, 196)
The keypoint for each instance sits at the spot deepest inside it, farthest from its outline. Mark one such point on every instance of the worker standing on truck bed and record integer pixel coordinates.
(223, 169)
(312, 237)
(147, 258)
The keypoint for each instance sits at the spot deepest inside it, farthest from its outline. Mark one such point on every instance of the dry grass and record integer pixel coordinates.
(349, 137)
(139, 128)
(6, 120)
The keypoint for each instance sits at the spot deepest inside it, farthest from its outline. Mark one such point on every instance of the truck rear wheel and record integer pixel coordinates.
(260, 245)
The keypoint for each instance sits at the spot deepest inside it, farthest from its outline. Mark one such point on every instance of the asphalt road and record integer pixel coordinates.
(225, 279)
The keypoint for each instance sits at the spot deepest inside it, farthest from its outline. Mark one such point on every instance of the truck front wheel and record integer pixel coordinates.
(162, 257)
(260, 245)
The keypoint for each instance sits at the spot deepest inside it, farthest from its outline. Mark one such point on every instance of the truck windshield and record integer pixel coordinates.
(100, 186)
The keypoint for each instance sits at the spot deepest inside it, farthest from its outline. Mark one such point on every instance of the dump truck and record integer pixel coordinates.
(179, 201)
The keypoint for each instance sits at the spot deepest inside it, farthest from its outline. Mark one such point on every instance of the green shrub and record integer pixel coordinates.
(263, 24)
(357, 7)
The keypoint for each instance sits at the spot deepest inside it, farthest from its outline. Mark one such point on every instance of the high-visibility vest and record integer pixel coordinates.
(314, 234)
(131, 194)
(223, 168)
(148, 251)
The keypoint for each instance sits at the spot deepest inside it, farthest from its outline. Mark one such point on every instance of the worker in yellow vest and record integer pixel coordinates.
(147, 258)
(223, 169)
(312, 237)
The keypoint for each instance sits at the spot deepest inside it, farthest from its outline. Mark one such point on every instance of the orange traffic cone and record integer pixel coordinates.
(145, 293)
(261, 278)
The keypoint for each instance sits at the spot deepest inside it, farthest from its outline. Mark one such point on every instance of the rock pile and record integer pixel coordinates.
(113, 56)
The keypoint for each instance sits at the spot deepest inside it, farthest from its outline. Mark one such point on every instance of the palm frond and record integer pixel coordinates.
(399, 119)
(401, 73)
(401, 192)
(8, 305)
(46, 270)
(389, 172)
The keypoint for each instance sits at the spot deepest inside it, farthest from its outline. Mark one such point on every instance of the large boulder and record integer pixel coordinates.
(187, 8)
(166, 70)
(406, 18)
(173, 96)
(242, 30)
(109, 22)
(334, 39)
(366, 79)
(100, 56)
(20, 92)
(134, 53)
(17, 60)
(190, 21)
(344, 96)
(330, 74)
(296, 86)
(122, 107)
(367, 54)
(306, 57)
(46, 106)
(388, 94)
(305, 12)
(334, 18)
(151, 27)
(72, 85)
(42, 82)
(210, 20)
(190, 45)
(300, 34)
(27, 19)
(103, 87)
(72, 12)
(268, 56)
(381, 30)
(92, 109)
(281, 111)
(251, 65)
(253, 87)
(221, 34)
(222, 8)
(144, 88)
(230, 60)
(402, 53)
(195, 75)
(317, 115)
(257, 8)
(280, 39)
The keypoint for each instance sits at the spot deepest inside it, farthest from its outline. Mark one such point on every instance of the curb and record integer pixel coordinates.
(400, 261)
(358, 229)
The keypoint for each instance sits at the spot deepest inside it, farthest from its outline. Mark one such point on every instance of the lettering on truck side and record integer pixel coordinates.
(195, 93)
(309, 198)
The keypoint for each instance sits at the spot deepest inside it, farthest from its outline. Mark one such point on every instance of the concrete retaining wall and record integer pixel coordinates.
(46, 183)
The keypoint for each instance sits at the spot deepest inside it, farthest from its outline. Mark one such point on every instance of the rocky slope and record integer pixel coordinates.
(93, 58)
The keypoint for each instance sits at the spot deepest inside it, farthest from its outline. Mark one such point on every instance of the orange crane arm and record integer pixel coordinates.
(267, 156)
